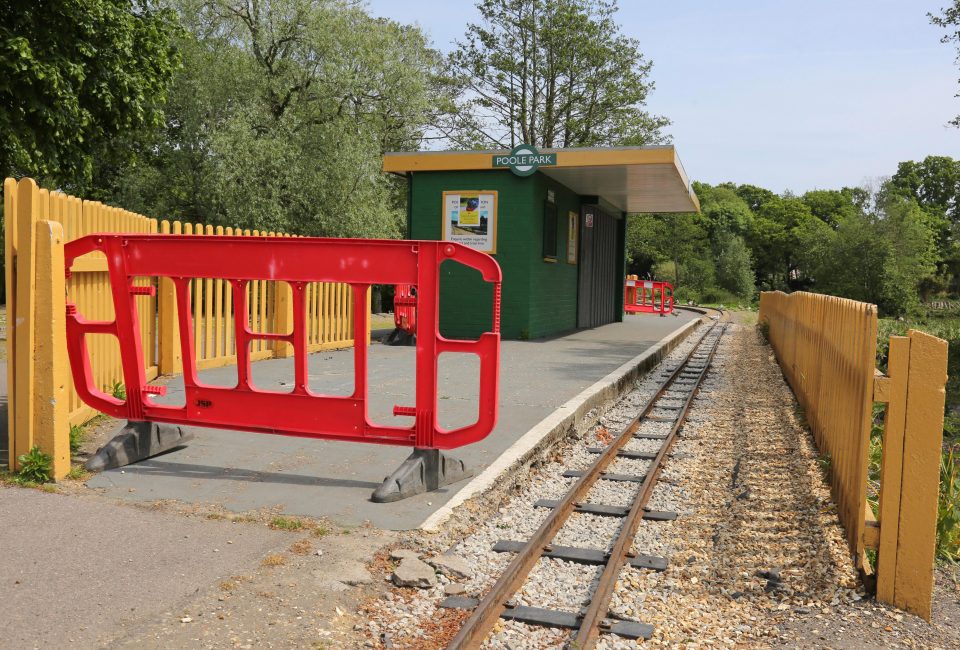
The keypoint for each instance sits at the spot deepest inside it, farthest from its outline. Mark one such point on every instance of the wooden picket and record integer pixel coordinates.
(826, 347)
(329, 313)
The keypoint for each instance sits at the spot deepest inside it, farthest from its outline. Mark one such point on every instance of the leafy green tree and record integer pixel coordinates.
(552, 73)
(734, 266)
(753, 195)
(75, 79)
(949, 19)
(831, 206)
(281, 116)
(881, 257)
(934, 184)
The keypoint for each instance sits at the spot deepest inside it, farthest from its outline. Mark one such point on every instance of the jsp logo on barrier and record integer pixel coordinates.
(524, 160)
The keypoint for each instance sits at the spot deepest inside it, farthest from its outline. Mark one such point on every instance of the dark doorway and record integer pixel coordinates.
(598, 283)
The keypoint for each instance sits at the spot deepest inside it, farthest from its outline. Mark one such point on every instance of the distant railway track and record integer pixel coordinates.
(669, 406)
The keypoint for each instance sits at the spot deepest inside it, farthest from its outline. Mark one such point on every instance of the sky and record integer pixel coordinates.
(784, 94)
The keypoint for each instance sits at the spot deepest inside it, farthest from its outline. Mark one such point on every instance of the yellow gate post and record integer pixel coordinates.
(51, 420)
(891, 466)
(10, 215)
(20, 322)
(913, 588)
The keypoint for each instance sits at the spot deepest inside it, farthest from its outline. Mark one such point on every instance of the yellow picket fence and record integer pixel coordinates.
(36, 223)
(827, 347)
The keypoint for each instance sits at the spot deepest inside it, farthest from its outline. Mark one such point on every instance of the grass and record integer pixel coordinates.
(301, 547)
(119, 390)
(77, 436)
(274, 559)
(78, 473)
(286, 523)
(948, 506)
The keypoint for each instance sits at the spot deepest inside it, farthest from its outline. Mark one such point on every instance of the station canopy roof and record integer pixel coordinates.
(633, 179)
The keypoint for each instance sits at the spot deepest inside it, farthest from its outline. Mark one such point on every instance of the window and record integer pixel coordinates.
(549, 230)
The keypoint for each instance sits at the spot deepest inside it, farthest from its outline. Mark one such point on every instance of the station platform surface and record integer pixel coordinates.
(246, 471)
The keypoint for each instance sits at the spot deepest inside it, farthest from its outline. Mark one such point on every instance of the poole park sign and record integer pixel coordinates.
(524, 159)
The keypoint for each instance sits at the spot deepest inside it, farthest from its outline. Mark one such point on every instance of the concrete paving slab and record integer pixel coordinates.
(98, 570)
(244, 471)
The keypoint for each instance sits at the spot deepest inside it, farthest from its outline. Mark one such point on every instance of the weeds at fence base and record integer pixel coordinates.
(35, 466)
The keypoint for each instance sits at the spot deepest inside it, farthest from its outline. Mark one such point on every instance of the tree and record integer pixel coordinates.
(934, 185)
(881, 257)
(552, 73)
(950, 20)
(281, 115)
(831, 206)
(734, 266)
(75, 79)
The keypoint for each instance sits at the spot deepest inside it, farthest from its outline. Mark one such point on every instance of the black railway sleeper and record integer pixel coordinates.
(606, 476)
(626, 453)
(605, 510)
(555, 618)
(583, 555)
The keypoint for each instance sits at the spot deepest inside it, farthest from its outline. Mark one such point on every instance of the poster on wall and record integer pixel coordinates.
(572, 223)
(470, 218)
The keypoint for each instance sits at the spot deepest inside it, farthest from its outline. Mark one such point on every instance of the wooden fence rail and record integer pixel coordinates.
(826, 347)
(37, 223)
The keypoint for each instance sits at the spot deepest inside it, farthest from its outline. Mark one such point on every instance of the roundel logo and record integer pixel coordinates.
(524, 159)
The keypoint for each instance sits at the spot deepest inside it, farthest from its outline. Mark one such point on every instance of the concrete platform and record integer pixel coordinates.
(244, 471)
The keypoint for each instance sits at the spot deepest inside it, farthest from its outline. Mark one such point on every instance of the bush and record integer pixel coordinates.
(35, 466)
(683, 295)
(948, 507)
(715, 295)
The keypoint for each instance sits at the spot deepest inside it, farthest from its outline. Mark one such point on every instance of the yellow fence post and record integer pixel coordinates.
(891, 467)
(169, 343)
(51, 425)
(21, 326)
(167, 317)
(283, 316)
(913, 588)
(10, 249)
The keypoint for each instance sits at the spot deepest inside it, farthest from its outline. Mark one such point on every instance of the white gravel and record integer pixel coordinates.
(554, 583)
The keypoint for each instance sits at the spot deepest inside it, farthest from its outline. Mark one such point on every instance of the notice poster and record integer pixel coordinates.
(470, 218)
(572, 222)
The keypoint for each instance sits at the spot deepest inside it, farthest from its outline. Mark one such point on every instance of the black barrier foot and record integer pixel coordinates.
(137, 441)
(400, 337)
(423, 470)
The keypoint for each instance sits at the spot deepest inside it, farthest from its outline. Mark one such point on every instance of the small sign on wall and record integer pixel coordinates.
(572, 239)
(470, 218)
(588, 220)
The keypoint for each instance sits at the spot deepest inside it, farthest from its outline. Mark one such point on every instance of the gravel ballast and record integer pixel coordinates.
(757, 557)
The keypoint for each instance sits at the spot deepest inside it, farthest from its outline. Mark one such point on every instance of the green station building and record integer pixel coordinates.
(555, 220)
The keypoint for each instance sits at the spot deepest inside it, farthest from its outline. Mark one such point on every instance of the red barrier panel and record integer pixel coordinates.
(405, 308)
(647, 296)
(296, 261)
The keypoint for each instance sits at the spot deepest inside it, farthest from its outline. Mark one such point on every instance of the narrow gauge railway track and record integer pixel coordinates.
(683, 383)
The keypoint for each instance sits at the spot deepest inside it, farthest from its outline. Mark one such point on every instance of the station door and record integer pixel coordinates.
(598, 284)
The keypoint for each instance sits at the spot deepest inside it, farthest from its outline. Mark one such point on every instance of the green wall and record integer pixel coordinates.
(539, 297)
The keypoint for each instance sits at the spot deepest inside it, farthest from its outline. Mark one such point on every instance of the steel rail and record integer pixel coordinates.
(594, 619)
(487, 612)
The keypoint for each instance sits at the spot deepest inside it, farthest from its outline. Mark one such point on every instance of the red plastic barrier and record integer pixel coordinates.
(239, 260)
(405, 308)
(647, 296)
